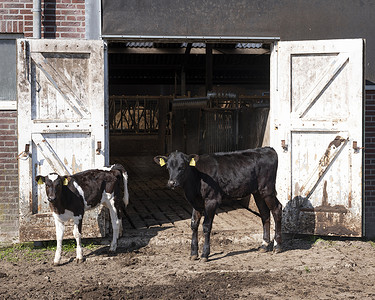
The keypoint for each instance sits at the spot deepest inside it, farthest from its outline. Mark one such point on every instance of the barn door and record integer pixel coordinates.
(316, 128)
(61, 124)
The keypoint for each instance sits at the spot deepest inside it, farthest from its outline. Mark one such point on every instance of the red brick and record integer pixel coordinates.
(71, 35)
(75, 24)
(14, 5)
(13, 17)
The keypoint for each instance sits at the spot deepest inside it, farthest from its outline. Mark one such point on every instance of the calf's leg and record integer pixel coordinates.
(277, 216)
(265, 216)
(116, 223)
(60, 228)
(276, 208)
(195, 219)
(77, 232)
(209, 213)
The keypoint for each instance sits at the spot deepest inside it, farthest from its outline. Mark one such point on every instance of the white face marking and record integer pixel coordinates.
(53, 177)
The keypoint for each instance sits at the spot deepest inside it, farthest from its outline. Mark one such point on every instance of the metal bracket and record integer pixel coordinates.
(284, 146)
(356, 148)
(99, 148)
(25, 154)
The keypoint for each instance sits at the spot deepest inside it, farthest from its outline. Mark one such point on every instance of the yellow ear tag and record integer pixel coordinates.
(161, 162)
(192, 162)
(66, 181)
(40, 181)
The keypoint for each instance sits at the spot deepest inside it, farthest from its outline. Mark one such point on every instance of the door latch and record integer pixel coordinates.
(356, 148)
(25, 154)
(284, 145)
(99, 147)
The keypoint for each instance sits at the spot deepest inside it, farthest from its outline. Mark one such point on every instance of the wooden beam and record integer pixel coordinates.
(209, 70)
(256, 51)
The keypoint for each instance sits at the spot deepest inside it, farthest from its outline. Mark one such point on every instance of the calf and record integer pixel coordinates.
(70, 196)
(207, 179)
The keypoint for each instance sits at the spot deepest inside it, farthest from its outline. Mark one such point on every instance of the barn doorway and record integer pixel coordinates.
(192, 97)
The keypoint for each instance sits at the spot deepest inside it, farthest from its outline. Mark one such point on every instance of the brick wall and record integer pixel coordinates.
(8, 176)
(60, 18)
(369, 208)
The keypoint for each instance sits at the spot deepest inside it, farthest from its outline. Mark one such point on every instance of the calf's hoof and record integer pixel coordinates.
(264, 248)
(79, 260)
(194, 257)
(277, 249)
(204, 259)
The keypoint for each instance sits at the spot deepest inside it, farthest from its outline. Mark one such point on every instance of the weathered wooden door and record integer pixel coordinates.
(61, 124)
(316, 126)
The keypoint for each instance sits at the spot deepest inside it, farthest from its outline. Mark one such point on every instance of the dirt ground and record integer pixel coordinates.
(152, 261)
(155, 264)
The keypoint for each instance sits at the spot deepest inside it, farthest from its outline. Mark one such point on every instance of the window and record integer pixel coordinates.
(8, 67)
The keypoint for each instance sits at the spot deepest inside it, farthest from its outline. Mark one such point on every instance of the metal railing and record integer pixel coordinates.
(134, 114)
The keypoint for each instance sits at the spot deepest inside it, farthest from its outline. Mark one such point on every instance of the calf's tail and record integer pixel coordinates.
(125, 180)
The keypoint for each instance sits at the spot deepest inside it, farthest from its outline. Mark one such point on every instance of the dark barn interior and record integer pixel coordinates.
(192, 97)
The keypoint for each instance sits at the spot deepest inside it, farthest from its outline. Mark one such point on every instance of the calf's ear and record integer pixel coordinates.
(193, 158)
(160, 160)
(40, 179)
(66, 180)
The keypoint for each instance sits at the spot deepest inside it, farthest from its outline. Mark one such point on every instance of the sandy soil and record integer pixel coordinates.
(156, 265)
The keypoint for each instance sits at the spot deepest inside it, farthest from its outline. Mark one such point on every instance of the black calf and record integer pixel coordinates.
(207, 179)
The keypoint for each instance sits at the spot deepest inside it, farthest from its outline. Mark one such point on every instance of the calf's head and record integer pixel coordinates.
(54, 184)
(177, 164)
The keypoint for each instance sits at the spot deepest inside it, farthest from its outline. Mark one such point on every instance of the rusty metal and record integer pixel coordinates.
(356, 148)
(99, 147)
(25, 154)
(284, 145)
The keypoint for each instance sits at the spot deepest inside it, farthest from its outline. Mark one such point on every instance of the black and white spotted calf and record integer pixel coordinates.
(207, 179)
(70, 196)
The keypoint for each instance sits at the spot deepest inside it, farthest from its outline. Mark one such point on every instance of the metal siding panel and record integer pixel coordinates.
(290, 20)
